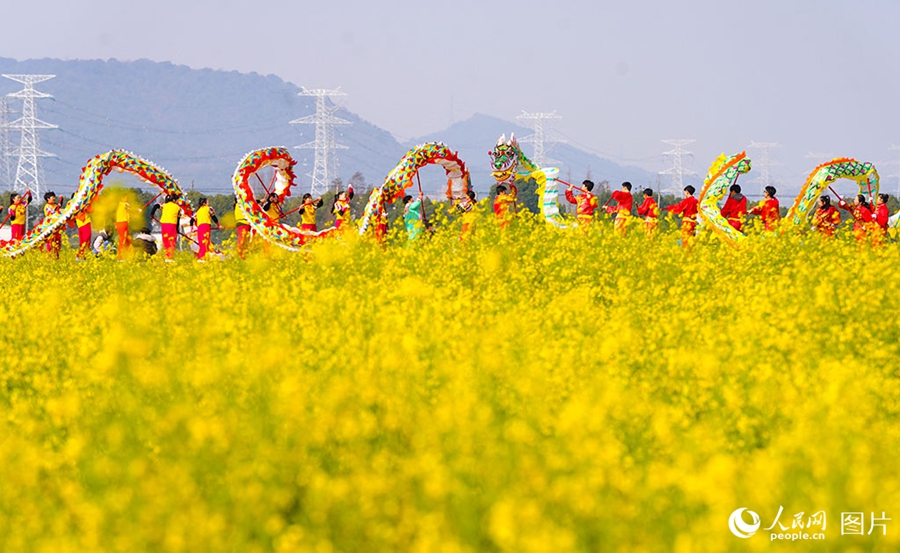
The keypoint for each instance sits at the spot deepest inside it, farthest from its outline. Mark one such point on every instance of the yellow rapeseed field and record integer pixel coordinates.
(537, 390)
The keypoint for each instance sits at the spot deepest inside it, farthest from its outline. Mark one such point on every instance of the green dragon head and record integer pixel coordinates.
(505, 159)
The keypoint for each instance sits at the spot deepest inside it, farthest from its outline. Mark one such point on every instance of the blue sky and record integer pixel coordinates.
(815, 76)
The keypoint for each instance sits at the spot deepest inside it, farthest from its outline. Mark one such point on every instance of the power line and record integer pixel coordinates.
(325, 166)
(28, 172)
(765, 163)
(677, 169)
(539, 137)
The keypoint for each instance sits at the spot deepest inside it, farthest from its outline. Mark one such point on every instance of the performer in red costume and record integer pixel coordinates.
(687, 208)
(735, 207)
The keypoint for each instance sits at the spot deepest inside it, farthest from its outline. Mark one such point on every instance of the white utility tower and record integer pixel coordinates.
(6, 150)
(677, 169)
(764, 179)
(28, 172)
(541, 139)
(325, 167)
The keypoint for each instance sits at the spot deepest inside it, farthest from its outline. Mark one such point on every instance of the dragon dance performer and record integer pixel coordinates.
(585, 203)
(308, 212)
(242, 227)
(205, 217)
(466, 208)
(649, 210)
(624, 202)
(380, 221)
(826, 218)
(735, 208)
(83, 223)
(123, 216)
(687, 208)
(768, 210)
(505, 204)
(412, 216)
(52, 207)
(18, 209)
(882, 215)
(863, 221)
(341, 209)
(168, 223)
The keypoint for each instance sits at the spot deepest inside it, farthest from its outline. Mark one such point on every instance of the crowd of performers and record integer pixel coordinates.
(870, 223)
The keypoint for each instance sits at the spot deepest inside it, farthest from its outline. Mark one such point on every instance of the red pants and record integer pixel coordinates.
(380, 232)
(243, 237)
(18, 232)
(169, 236)
(650, 226)
(687, 231)
(736, 224)
(311, 227)
(621, 225)
(124, 238)
(203, 233)
(54, 244)
(84, 241)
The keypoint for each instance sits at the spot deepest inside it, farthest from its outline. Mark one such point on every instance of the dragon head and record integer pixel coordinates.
(505, 159)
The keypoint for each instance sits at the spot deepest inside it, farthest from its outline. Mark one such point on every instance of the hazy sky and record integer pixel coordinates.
(819, 76)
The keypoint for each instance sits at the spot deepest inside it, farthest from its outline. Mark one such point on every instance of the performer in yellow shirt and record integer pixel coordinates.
(205, 217)
(123, 215)
(308, 213)
(466, 208)
(341, 209)
(83, 222)
(505, 205)
(18, 210)
(168, 223)
(52, 208)
(242, 226)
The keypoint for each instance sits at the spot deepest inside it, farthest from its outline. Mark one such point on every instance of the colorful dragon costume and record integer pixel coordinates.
(863, 173)
(401, 177)
(277, 232)
(89, 186)
(723, 173)
(509, 164)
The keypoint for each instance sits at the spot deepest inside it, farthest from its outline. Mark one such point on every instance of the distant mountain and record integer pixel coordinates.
(199, 123)
(475, 136)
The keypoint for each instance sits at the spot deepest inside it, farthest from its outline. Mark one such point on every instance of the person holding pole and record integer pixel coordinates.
(341, 208)
(168, 223)
(53, 208)
(123, 216)
(624, 202)
(206, 216)
(18, 210)
(585, 203)
(735, 208)
(505, 204)
(687, 208)
(826, 218)
(649, 210)
(412, 216)
(862, 216)
(308, 213)
(768, 210)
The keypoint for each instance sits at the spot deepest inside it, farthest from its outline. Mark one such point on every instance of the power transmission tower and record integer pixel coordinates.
(28, 171)
(765, 163)
(542, 141)
(325, 166)
(677, 169)
(6, 148)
